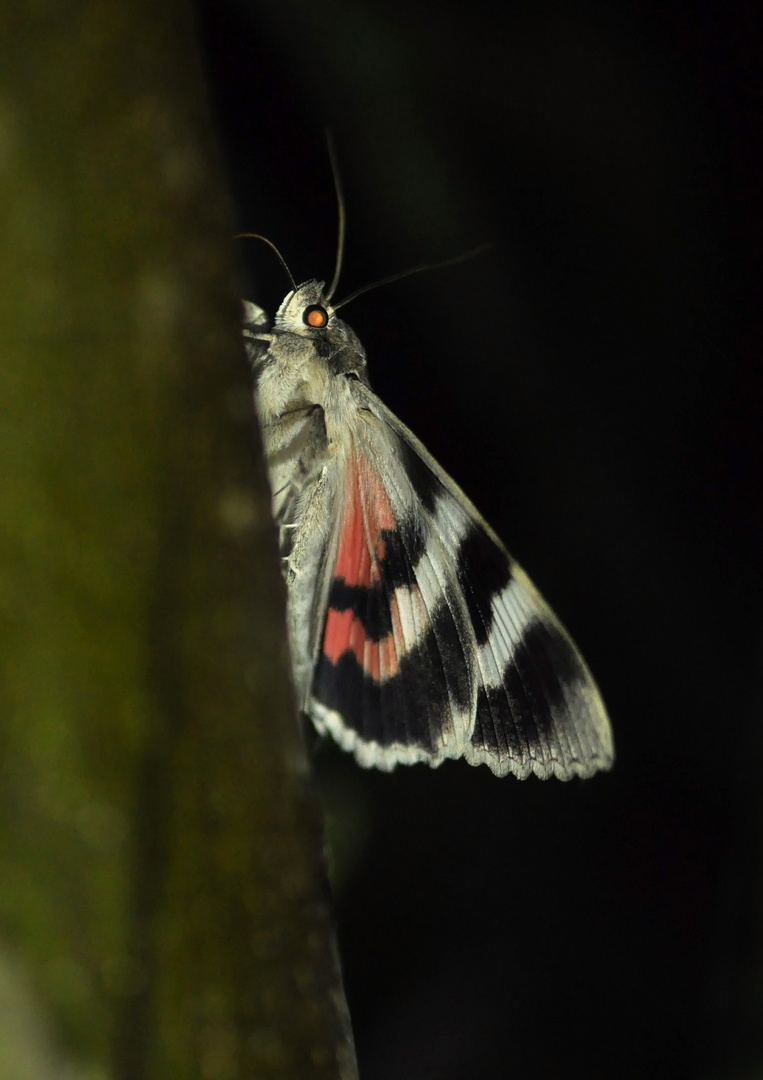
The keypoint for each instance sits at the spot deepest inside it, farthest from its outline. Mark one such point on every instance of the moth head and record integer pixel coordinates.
(307, 358)
(307, 332)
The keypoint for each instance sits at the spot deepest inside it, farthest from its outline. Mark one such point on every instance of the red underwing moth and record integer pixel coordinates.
(414, 634)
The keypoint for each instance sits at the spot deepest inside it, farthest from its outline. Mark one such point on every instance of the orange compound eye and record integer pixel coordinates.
(316, 317)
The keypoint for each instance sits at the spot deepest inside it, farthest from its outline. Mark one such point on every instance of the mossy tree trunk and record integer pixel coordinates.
(162, 907)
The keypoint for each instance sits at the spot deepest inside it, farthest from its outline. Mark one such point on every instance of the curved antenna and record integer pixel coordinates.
(342, 216)
(271, 245)
(416, 270)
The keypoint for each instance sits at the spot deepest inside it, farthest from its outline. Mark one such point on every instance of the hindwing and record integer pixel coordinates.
(435, 643)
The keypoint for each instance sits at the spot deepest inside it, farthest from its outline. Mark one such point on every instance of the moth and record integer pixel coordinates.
(414, 635)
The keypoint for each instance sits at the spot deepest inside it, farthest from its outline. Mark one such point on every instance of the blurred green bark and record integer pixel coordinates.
(163, 910)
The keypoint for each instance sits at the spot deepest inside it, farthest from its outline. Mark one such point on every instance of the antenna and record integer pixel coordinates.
(416, 270)
(342, 223)
(271, 245)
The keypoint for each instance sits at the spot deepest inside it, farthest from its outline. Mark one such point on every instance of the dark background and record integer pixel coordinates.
(594, 384)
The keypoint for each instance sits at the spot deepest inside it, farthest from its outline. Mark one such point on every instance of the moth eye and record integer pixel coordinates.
(315, 316)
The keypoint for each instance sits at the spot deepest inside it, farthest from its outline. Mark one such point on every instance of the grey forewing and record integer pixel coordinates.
(303, 477)
(295, 449)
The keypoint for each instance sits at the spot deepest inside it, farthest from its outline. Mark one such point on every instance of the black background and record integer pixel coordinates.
(594, 383)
